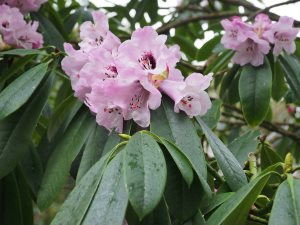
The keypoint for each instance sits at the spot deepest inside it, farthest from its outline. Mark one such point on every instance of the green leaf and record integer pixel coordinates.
(206, 50)
(61, 159)
(279, 86)
(234, 211)
(268, 156)
(212, 203)
(16, 130)
(178, 128)
(291, 67)
(62, 116)
(183, 201)
(181, 161)
(23, 52)
(220, 62)
(211, 118)
(78, 201)
(286, 207)
(145, 173)
(243, 145)
(20, 90)
(159, 216)
(110, 201)
(255, 87)
(230, 167)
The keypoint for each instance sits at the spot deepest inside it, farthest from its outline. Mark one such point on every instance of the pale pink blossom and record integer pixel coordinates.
(24, 6)
(282, 34)
(16, 32)
(97, 34)
(189, 96)
(235, 32)
(251, 51)
(261, 25)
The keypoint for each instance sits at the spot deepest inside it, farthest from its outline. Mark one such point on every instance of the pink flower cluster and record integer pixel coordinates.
(252, 41)
(126, 80)
(15, 32)
(24, 6)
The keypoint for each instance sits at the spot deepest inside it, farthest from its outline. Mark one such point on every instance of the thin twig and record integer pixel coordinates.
(177, 23)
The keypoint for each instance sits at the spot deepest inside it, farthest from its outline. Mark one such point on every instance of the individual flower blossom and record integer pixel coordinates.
(97, 34)
(24, 6)
(189, 96)
(282, 34)
(251, 51)
(16, 32)
(147, 59)
(235, 32)
(261, 25)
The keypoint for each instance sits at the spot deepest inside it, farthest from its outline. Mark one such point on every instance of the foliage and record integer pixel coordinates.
(235, 165)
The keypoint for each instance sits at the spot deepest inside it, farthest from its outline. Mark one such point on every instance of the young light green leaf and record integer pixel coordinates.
(230, 167)
(61, 159)
(20, 90)
(23, 52)
(255, 88)
(286, 207)
(145, 173)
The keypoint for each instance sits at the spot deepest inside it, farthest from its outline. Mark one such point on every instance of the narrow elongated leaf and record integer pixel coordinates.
(78, 201)
(145, 173)
(20, 90)
(110, 201)
(218, 199)
(291, 67)
(234, 211)
(230, 167)
(279, 86)
(160, 215)
(211, 118)
(206, 50)
(286, 207)
(16, 130)
(255, 88)
(61, 159)
(22, 52)
(243, 145)
(178, 128)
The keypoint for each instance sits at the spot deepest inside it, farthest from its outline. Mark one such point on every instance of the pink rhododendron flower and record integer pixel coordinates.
(16, 32)
(282, 34)
(97, 34)
(189, 96)
(24, 6)
(251, 51)
(124, 81)
(261, 25)
(235, 32)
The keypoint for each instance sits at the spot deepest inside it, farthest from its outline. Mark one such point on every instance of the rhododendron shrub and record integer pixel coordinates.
(143, 113)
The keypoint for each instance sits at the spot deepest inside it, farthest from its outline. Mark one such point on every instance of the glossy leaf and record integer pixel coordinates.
(230, 167)
(178, 128)
(211, 118)
(20, 90)
(286, 206)
(234, 211)
(206, 50)
(279, 86)
(110, 201)
(243, 145)
(61, 159)
(16, 130)
(145, 173)
(291, 67)
(255, 87)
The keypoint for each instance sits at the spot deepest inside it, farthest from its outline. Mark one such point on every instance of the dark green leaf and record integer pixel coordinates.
(286, 207)
(279, 86)
(110, 201)
(22, 52)
(20, 90)
(243, 145)
(16, 130)
(206, 50)
(211, 118)
(145, 173)
(230, 167)
(291, 67)
(212, 203)
(61, 159)
(255, 87)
